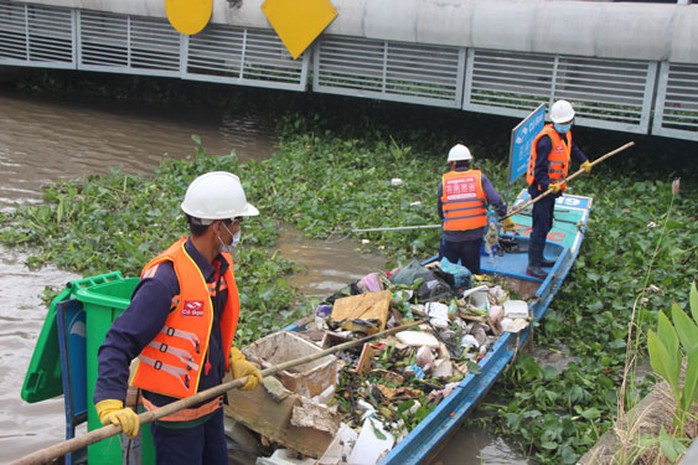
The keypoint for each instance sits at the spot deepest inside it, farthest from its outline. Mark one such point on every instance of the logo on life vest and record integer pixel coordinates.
(192, 308)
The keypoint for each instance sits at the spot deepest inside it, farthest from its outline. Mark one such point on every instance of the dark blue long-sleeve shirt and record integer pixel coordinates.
(540, 173)
(144, 318)
(493, 198)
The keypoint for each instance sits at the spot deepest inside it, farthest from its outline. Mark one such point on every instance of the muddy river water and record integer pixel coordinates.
(42, 140)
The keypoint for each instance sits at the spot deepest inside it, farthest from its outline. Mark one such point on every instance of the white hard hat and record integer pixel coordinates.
(561, 112)
(459, 152)
(217, 195)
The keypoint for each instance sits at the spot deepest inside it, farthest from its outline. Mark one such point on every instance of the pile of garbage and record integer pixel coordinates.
(354, 406)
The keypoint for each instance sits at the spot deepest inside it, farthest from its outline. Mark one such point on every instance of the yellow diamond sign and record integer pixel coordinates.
(298, 22)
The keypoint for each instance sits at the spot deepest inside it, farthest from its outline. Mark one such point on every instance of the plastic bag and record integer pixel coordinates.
(461, 275)
(370, 283)
(432, 287)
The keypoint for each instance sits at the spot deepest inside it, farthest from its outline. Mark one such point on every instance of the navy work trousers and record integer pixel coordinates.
(204, 444)
(468, 252)
(542, 219)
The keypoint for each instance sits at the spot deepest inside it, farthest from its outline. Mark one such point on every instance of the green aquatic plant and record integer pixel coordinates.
(674, 343)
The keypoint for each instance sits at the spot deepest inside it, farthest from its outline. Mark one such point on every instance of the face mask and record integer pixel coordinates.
(229, 247)
(562, 128)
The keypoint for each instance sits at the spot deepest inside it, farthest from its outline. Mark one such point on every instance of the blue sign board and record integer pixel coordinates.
(521, 139)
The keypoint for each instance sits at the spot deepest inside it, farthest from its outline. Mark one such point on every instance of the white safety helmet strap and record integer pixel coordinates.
(217, 195)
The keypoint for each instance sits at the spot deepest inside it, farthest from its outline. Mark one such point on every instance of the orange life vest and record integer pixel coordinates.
(171, 364)
(558, 160)
(463, 200)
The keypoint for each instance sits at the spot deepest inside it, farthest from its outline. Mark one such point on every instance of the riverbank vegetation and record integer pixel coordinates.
(332, 173)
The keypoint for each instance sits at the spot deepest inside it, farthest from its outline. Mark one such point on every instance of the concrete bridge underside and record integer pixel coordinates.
(630, 67)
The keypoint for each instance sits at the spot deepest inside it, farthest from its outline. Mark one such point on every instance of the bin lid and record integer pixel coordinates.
(43, 378)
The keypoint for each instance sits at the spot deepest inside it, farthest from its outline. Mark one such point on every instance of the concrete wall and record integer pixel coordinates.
(645, 31)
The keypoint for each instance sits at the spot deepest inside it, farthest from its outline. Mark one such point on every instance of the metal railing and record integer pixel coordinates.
(609, 94)
(676, 112)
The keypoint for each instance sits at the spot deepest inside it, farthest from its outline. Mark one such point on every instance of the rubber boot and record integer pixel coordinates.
(535, 255)
(543, 261)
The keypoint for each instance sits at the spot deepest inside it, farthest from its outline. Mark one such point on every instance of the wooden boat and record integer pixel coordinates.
(80, 317)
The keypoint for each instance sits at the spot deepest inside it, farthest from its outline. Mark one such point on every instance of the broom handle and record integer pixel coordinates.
(525, 205)
(62, 448)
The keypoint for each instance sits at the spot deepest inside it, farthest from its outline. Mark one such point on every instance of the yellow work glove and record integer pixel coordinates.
(240, 367)
(112, 411)
(554, 187)
(508, 224)
(586, 166)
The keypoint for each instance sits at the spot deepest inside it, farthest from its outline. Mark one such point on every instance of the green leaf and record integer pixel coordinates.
(662, 363)
(376, 430)
(670, 224)
(685, 327)
(591, 413)
(667, 334)
(670, 446)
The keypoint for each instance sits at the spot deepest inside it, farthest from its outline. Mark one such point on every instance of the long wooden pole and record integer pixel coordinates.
(525, 205)
(58, 450)
(397, 228)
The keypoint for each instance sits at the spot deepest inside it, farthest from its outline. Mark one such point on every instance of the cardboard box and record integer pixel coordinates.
(309, 379)
(258, 411)
(366, 306)
(277, 417)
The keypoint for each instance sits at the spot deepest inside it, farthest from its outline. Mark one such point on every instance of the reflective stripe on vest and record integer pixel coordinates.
(188, 414)
(183, 355)
(558, 159)
(463, 201)
(171, 363)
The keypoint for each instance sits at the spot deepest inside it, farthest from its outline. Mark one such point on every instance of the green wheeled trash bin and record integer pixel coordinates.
(102, 303)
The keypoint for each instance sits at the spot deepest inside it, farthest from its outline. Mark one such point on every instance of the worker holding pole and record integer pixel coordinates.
(180, 325)
(463, 197)
(548, 166)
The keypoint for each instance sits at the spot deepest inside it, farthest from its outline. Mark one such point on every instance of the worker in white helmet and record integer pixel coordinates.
(548, 166)
(180, 325)
(463, 197)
